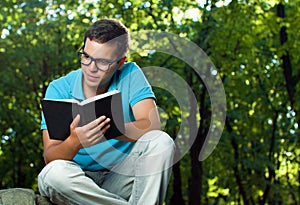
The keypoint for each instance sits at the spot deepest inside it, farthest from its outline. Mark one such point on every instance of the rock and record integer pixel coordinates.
(17, 196)
(21, 196)
(41, 200)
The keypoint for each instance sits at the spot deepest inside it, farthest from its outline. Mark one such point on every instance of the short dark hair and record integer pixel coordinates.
(109, 31)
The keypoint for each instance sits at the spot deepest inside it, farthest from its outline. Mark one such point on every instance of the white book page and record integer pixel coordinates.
(63, 100)
(97, 97)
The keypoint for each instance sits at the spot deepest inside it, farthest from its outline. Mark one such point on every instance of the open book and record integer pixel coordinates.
(59, 114)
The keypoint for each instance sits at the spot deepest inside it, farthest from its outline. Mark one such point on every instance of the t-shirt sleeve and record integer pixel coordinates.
(52, 92)
(139, 87)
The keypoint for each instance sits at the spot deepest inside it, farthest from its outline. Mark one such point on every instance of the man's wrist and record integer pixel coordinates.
(74, 143)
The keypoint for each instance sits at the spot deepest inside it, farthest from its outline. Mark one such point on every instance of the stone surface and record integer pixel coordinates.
(21, 196)
(40, 200)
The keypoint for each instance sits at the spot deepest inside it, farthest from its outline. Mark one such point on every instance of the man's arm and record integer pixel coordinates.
(146, 119)
(84, 136)
(145, 113)
(56, 149)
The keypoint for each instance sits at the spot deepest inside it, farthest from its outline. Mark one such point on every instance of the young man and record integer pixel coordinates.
(87, 169)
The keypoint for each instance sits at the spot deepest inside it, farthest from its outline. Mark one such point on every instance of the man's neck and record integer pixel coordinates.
(91, 92)
(101, 90)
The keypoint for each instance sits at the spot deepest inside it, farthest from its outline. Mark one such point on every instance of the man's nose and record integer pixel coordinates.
(93, 67)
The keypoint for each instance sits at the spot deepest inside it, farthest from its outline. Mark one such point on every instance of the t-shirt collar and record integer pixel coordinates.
(77, 92)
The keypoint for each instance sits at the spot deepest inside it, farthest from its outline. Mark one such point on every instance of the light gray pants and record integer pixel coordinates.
(142, 178)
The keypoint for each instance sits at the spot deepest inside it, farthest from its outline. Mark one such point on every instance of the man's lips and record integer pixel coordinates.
(92, 78)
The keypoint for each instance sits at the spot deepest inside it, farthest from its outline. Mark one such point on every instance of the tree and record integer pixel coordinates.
(254, 47)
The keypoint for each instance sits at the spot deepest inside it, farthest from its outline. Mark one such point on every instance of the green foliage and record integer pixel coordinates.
(257, 159)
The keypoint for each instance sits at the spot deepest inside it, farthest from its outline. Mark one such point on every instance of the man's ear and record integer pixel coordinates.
(122, 61)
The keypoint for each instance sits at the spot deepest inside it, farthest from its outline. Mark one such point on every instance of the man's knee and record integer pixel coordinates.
(158, 152)
(56, 175)
(159, 141)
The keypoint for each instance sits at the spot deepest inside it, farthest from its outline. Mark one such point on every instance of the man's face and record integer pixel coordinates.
(95, 76)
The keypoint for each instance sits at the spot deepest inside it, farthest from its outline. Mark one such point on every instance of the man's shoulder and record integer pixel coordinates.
(68, 78)
(65, 84)
(129, 68)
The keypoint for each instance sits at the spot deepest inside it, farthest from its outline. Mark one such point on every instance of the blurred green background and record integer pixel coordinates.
(254, 45)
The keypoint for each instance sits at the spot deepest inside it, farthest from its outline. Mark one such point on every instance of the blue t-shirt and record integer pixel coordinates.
(134, 87)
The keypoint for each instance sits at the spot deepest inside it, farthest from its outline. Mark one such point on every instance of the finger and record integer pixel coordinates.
(97, 132)
(105, 129)
(99, 129)
(95, 123)
(97, 135)
(75, 122)
(97, 138)
(104, 123)
(101, 119)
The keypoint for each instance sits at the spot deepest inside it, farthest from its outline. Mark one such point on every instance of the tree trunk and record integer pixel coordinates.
(238, 178)
(177, 198)
(286, 62)
(290, 80)
(271, 170)
(195, 182)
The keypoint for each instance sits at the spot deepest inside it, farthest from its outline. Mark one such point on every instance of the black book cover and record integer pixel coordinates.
(59, 114)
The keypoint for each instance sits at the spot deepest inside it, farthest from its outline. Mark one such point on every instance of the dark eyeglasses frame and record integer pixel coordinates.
(109, 63)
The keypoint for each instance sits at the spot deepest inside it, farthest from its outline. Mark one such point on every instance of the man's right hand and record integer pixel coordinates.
(89, 134)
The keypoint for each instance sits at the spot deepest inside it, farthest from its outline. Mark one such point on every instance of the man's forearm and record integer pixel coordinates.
(134, 130)
(64, 150)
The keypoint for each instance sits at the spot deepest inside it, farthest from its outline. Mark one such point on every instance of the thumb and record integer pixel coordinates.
(75, 122)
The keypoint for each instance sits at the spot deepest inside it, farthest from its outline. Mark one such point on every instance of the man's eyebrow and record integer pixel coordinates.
(103, 59)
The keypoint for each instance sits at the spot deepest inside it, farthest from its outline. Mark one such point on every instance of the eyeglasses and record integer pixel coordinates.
(101, 64)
